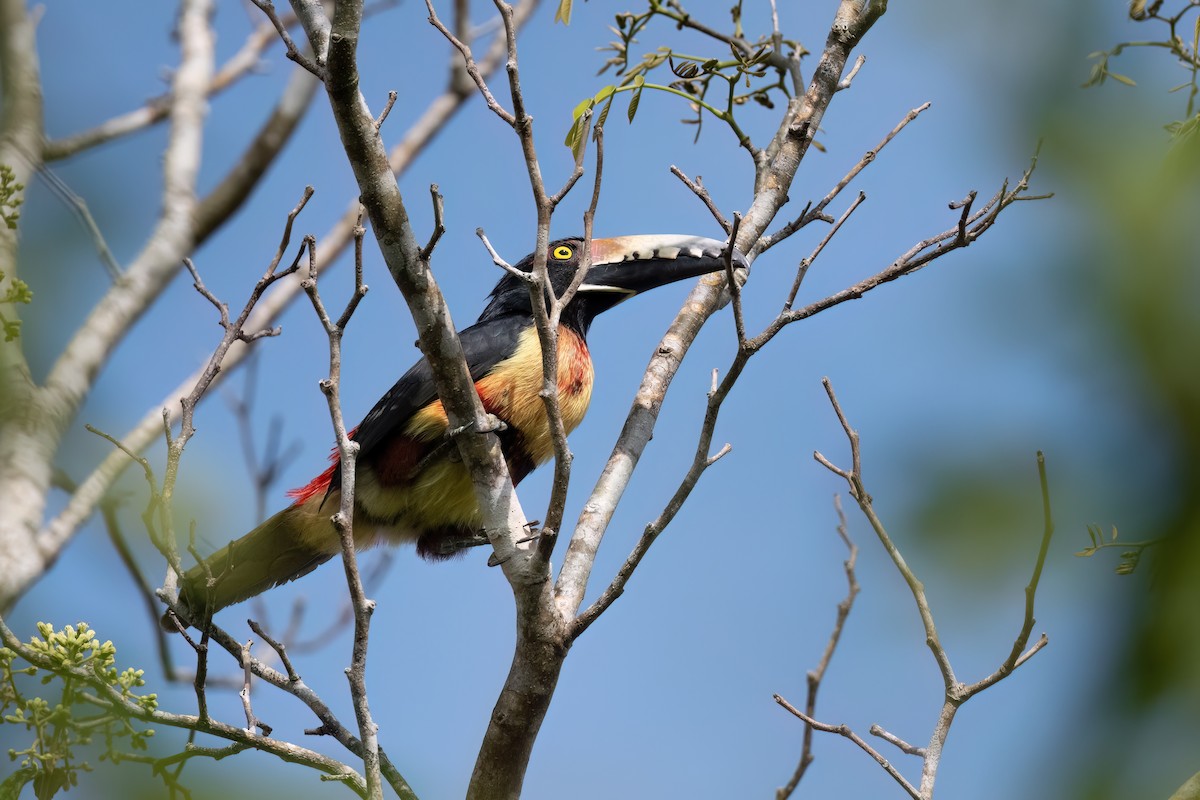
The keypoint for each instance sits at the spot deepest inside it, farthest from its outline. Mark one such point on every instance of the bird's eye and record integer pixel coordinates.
(561, 253)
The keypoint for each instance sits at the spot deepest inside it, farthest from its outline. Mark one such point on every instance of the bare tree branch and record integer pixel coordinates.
(844, 730)
(698, 189)
(812, 213)
(343, 520)
(313, 19)
(815, 675)
(73, 374)
(774, 175)
(239, 65)
(956, 693)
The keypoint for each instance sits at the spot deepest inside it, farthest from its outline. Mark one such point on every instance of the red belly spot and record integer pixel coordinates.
(398, 460)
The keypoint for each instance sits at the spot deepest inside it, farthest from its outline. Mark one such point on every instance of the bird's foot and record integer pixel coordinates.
(535, 533)
(493, 424)
(448, 547)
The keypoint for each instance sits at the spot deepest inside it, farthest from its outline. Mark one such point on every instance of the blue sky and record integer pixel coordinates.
(954, 377)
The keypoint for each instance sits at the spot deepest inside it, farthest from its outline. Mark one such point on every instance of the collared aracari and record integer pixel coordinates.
(409, 483)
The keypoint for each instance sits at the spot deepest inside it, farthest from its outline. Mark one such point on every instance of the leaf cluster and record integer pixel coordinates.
(70, 721)
(1130, 557)
(746, 75)
(17, 291)
(10, 197)
(1174, 42)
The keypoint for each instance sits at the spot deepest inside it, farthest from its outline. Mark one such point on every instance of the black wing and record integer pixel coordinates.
(485, 344)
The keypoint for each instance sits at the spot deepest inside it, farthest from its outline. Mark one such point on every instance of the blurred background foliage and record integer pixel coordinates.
(1123, 156)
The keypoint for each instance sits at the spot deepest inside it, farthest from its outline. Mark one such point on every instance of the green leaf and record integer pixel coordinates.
(11, 787)
(563, 14)
(1125, 79)
(583, 106)
(1096, 77)
(603, 115)
(636, 98)
(575, 135)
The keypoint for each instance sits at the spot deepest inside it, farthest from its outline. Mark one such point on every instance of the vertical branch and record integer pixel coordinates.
(815, 675)
(547, 308)
(343, 520)
(558, 434)
(25, 454)
(504, 520)
(541, 631)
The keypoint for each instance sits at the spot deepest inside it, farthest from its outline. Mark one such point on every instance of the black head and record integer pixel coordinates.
(622, 267)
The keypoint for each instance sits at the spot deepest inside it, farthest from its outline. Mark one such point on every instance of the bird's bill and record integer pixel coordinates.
(629, 265)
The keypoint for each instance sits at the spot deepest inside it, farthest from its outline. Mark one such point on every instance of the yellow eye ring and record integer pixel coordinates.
(562, 252)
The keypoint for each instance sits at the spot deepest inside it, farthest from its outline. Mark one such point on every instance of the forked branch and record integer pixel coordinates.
(956, 692)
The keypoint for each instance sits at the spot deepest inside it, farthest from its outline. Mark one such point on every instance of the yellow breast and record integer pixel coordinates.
(439, 494)
(512, 389)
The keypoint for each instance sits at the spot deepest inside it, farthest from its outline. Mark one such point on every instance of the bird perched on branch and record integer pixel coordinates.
(410, 485)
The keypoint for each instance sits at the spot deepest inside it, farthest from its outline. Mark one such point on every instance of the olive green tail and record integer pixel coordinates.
(278, 551)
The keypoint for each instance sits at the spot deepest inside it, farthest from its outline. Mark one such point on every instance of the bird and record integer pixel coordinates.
(410, 484)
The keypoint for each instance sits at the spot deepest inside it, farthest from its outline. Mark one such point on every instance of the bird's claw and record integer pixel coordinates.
(493, 425)
(450, 546)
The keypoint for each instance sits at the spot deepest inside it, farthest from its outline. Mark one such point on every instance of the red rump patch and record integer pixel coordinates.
(320, 484)
(317, 486)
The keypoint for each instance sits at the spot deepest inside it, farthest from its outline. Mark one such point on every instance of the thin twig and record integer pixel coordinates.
(279, 649)
(293, 53)
(439, 222)
(343, 519)
(844, 730)
(1018, 655)
(735, 286)
(956, 693)
(79, 208)
(812, 213)
(499, 261)
(845, 82)
(698, 189)
(471, 67)
(802, 270)
(252, 721)
(815, 675)
(904, 746)
(387, 109)
(108, 512)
